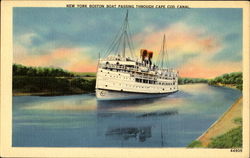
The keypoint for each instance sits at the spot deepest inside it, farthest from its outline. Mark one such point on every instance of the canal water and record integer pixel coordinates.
(81, 121)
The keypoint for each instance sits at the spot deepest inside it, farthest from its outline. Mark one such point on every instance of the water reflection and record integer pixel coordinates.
(67, 103)
(81, 121)
(141, 106)
(125, 133)
(109, 104)
(165, 113)
(139, 124)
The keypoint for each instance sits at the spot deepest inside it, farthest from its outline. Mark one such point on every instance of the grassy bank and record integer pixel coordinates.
(25, 85)
(226, 132)
(50, 81)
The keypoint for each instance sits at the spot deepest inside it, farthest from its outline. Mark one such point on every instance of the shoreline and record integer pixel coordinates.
(225, 85)
(16, 93)
(223, 124)
(44, 94)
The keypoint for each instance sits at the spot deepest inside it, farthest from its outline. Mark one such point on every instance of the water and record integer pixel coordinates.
(81, 121)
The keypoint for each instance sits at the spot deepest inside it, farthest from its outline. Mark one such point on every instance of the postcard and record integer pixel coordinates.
(124, 79)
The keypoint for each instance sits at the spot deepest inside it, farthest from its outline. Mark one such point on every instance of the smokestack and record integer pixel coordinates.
(144, 53)
(150, 56)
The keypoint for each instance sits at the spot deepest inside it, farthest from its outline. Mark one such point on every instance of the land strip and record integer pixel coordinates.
(224, 124)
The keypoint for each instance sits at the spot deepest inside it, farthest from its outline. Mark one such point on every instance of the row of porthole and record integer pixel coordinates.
(141, 87)
(119, 71)
(163, 83)
(119, 77)
(169, 77)
(128, 78)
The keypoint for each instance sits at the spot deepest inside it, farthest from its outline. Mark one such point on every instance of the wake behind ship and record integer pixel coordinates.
(121, 75)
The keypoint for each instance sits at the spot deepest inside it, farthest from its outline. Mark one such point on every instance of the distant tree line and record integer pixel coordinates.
(234, 79)
(191, 80)
(52, 85)
(57, 80)
(50, 81)
(20, 70)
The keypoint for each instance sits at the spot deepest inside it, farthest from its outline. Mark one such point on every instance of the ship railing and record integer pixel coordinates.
(124, 67)
(168, 70)
(144, 77)
(112, 66)
(135, 72)
(121, 67)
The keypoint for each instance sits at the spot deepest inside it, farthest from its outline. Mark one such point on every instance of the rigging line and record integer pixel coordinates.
(131, 40)
(124, 45)
(167, 57)
(111, 48)
(163, 57)
(114, 39)
(168, 61)
(119, 33)
(118, 45)
(123, 37)
(129, 46)
(119, 40)
(125, 41)
(124, 34)
(107, 52)
(163, 53)
(159, 57)
(114, 49)
(112, 44)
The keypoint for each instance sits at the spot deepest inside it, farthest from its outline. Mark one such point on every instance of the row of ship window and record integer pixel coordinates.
(128, 78)
(138, 80)
(141, 87)
(128, 71)
(143, 80)
(153, 82)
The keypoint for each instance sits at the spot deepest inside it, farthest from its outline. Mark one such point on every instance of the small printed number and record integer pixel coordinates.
(236, 150)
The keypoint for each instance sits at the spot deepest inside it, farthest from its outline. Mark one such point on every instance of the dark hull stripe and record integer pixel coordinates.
(135, 92)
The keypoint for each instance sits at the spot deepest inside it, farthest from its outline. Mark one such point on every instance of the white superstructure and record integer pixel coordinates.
(121, 77)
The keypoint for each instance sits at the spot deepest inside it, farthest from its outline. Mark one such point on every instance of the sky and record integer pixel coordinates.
(201, 42)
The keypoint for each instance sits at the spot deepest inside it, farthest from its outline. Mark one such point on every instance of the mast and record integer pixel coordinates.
(163, 56)
(125, 34)
(163, 50)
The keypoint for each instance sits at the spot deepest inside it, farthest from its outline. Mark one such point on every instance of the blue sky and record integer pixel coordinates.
(71, 38)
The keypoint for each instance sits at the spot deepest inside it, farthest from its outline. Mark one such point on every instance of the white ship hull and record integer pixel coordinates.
(116, 95)
(113, 85)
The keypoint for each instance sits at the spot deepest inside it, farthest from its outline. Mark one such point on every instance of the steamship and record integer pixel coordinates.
(121, 75)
